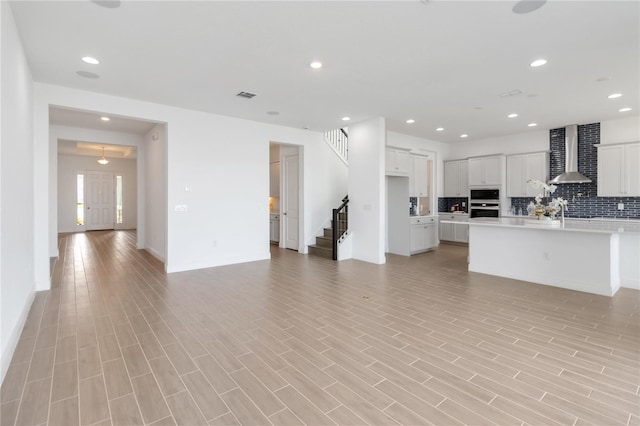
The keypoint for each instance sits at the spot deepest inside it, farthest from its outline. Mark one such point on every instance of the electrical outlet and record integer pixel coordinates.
(620, 206)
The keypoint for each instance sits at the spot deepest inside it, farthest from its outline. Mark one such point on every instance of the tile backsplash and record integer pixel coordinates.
(445, 203)
(582, 197)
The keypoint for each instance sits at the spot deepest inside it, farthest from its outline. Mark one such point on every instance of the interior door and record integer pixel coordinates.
(100, 201)
(290, 214)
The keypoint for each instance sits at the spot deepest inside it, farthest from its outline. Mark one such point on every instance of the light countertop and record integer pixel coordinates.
(571, 225)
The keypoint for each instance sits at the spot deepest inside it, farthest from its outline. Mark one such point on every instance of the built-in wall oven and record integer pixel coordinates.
(484, 202)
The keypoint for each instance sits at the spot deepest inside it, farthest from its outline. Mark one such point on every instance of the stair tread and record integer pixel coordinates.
(320, 247)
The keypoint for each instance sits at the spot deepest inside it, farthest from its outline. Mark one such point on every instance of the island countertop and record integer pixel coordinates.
(570, 225)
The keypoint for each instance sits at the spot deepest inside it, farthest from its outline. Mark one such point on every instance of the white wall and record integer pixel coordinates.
(367, 209)
(69, 166)
(154, 210)
(621, 130)
(511, 144)
(17, 284)
(225, 163)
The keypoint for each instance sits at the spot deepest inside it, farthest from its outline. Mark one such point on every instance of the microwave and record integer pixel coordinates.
(486, 194)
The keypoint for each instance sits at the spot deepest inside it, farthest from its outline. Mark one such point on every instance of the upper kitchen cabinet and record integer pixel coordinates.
(397, 162)
(619, 170)
(485, 171)
(419, 177)
(274, 179)
(456, 178)
(521, 168)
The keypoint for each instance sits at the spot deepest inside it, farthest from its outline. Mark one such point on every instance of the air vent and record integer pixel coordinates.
(247, 95)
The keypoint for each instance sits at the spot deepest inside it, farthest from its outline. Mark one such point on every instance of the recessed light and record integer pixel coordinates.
(346, 118)
(527, 6)
(315, 65)
(440, 129)
(105, 118)
(411, 121)
(512, 115)
(464, 135)
(90, 60)
(614, 95)
(538, 63)
(626, 109)
(532, 124)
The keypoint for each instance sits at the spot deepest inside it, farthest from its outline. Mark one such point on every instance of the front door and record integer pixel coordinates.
(290, 216)
(100, 207)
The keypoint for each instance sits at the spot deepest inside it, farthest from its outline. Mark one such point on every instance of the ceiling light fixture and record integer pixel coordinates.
(538, 63)
(614, 95)
(411, 121)
(440, 129)
(532, 124)
(315, 65)
(87, 74)
(512, 115)
(625, 109)
(527, 6)
(90, 60)
(464, 135)
(105, 119)
(346, 118)
(103, 160)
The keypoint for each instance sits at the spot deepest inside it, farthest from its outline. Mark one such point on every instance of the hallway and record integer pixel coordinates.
(304, 340)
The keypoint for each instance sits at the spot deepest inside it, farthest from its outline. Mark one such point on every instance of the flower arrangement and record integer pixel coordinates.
(554, 206)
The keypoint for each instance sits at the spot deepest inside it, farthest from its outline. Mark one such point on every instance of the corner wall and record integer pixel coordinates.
(17, 284)
(367, 209)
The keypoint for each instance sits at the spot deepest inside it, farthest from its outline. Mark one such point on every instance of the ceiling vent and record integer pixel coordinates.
(247, 95)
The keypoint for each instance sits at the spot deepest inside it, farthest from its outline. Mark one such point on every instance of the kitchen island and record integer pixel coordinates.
(585, 255)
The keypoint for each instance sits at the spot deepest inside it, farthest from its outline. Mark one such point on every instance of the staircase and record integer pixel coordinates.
(324, 245)
(327, 244)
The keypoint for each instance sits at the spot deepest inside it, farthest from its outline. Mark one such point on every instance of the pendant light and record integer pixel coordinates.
(103, 160)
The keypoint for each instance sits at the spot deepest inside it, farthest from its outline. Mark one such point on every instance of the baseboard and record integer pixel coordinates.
(12, 342)
(630, 283)
(154, 253)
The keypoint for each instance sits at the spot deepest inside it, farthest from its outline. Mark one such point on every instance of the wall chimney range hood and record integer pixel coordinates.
(571, 174)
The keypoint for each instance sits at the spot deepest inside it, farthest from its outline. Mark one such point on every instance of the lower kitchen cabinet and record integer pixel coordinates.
(423, 234)
(458, 233)
(274, 227)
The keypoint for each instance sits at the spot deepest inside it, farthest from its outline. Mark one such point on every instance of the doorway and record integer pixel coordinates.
(285, 195)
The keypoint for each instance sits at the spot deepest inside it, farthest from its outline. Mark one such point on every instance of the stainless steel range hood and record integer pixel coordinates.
(571, 174)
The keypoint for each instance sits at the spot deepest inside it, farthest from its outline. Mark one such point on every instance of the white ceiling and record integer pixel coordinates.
(92, 149)
(442, 63)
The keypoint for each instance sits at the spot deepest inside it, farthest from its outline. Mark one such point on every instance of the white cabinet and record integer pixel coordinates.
(453, 231)
(274, 227)
(456, 178)
(397, 162)
(274, 179)
(419, 177)
(423, 234)
(521, 168)
(619, 170)
(486, 170)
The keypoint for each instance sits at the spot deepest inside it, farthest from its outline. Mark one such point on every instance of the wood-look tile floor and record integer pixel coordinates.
(304, 340)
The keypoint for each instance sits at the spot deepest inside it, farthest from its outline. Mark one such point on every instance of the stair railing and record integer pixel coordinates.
(338, 140)
(340, 224)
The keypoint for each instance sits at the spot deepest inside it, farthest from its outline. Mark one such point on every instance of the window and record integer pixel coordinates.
(80, 199)
(119, 199)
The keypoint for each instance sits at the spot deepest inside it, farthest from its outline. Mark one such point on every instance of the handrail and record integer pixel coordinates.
(338, 140)
(339, 226)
